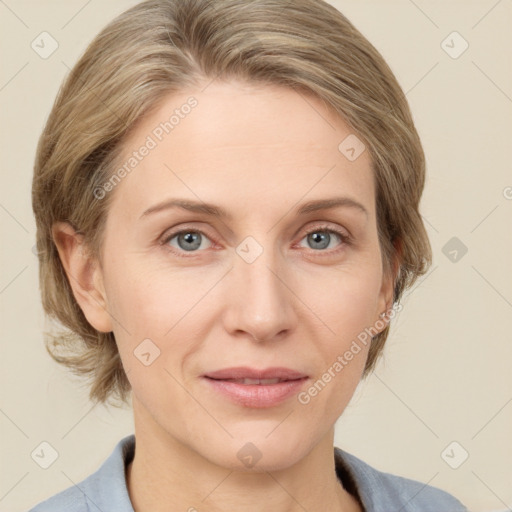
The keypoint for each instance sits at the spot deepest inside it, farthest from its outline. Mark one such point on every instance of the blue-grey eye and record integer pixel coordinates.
(187, 240)
(320, 239)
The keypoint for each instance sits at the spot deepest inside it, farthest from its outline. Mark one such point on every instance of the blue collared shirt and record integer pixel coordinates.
(106, 491)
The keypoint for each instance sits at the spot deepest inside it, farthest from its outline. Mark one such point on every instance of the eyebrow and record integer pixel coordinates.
(217, 211)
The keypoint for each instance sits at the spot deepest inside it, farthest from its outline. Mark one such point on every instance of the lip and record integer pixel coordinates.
(256, 395)
(245, 372)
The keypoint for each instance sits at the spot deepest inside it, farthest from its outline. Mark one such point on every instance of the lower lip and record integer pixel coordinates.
(257, 395)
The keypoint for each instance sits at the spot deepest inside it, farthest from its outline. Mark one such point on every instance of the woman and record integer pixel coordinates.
(226, 196)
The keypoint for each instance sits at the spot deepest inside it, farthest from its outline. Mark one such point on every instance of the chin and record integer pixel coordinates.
(256, 451)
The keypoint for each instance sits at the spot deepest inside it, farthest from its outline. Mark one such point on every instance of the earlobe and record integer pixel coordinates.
(84, 275)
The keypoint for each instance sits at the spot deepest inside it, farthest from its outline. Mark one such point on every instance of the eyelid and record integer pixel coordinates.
(326, 226)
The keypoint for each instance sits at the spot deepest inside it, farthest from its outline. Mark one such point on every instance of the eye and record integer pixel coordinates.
(188, 240)
(320, 238)
(191, 240)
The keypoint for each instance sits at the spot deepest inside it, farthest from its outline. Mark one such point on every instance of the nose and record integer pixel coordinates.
(261, 300)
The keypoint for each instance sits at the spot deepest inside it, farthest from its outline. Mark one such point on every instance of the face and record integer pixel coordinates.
(268, 284)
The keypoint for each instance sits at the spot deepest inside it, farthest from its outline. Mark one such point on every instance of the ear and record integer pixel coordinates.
(388, 281)
(84, 274)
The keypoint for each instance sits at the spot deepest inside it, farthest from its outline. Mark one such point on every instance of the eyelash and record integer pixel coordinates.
(346, 240)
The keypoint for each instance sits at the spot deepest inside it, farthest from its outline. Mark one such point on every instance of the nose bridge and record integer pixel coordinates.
(262, 304)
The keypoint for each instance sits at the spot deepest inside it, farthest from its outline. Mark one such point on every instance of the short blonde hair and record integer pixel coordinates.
(161, 46)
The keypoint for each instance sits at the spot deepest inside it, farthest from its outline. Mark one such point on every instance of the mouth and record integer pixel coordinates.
(256, 388)
(264, 376)
(258, 382)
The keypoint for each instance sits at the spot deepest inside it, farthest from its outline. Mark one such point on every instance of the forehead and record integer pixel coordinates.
(241, 145)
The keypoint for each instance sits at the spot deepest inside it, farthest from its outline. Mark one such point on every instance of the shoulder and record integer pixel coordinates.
(105, 489)
(380, 491)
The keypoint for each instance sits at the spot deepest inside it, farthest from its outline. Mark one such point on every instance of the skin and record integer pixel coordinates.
(259, 152)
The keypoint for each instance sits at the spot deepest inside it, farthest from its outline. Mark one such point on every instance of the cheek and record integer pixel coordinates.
(344, 301)
(145, 299)
(155, 313)
(346, 308)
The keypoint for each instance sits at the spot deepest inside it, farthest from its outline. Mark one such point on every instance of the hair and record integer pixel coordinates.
(162, 46)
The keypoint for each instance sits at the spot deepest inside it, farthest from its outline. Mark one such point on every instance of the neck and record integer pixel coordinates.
(167, 475)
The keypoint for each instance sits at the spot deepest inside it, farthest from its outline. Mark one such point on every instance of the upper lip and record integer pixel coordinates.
(244, 372)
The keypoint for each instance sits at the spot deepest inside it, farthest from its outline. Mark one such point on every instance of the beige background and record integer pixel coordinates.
(446, 374)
